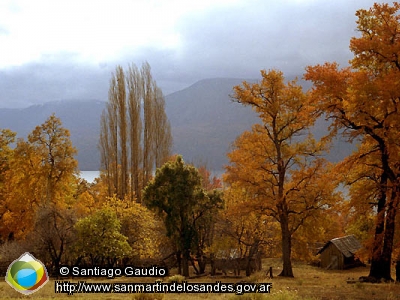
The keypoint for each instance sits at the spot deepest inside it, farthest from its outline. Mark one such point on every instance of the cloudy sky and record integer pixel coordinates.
(60, 50)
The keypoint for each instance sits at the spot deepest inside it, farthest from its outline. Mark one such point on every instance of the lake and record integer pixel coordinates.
(89, 176)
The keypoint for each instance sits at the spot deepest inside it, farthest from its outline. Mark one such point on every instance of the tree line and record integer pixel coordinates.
(278, 161)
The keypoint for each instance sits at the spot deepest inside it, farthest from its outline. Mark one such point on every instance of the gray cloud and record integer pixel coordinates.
(234, 42)
(268, 36)
(43, 82)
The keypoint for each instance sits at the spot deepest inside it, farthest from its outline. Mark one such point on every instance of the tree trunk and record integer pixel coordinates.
(389, 235)
(248, 266)
(378, 267)
(202, 261)
(197, 272)
(212, 262)
(383, 242)
(179, 261)
(185, 263)
(287, 270)
(251, 264)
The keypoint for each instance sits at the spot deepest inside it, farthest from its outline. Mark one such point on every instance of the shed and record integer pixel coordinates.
(338, 253)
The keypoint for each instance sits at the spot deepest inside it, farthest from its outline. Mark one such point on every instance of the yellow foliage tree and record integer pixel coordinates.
(41, 175)
(243, 226)
(7, 137)
(144, 230)
(278, 160)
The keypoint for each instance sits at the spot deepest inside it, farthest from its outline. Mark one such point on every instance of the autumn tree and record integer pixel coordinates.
(56, 168)
(363, 102)
(132, 147)
(24, 191)
(57, 165)
(177, 195)
(134, 81)
(38, 194)
(145, 232)
(53, 236)
(243, 227)
(205, 225)
(162, 139)
(99, 238)
(277, 161)
(7, 137)
(41, 175)
(149, 91)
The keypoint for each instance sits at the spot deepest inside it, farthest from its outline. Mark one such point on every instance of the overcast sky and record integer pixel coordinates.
(60, 50)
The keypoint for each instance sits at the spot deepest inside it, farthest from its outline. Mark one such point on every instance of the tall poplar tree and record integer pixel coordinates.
(135, 88)
(132, 147)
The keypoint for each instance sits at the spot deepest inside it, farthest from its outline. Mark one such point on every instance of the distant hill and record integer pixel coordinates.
(204, 122)
(81, 118)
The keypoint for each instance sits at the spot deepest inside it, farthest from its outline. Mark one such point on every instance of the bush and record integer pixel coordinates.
(176, 278)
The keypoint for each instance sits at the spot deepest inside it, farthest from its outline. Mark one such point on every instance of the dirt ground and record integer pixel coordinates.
(309, 283)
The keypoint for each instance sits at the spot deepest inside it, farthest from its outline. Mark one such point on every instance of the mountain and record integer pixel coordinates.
(81, 118)
(203, 119)
(204, 122)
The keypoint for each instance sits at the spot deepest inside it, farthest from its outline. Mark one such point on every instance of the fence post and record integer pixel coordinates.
(270, 273)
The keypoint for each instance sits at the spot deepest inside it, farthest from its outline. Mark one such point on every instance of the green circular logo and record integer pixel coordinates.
(27, 274)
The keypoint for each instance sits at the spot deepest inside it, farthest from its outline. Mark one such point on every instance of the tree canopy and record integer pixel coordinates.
(176, 193)
(40, 173)
(363, 101)
(98, 238)
(278, 160)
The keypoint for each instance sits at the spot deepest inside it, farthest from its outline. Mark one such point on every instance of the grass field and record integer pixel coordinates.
(309, 283)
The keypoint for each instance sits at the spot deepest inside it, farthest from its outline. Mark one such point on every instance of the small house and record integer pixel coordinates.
(338, 253)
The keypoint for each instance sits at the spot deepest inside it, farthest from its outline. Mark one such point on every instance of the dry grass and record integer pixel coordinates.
(315, 283)
(309, 283)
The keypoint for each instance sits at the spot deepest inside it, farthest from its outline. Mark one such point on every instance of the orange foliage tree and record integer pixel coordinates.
(7, 137)
(40, 176)
(278, 160)
(363, 101)
(242, 229)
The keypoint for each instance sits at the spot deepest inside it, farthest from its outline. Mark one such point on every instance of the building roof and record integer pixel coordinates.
(347, 245)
